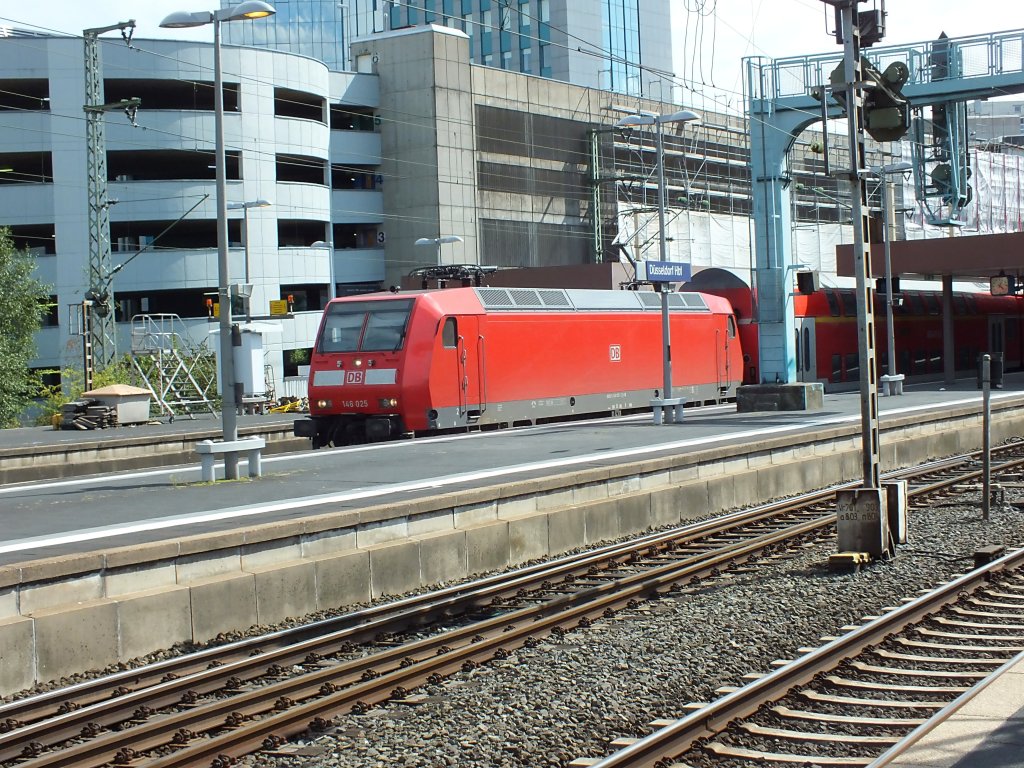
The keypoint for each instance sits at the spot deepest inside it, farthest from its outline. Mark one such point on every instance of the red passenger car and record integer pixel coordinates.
(388, 364)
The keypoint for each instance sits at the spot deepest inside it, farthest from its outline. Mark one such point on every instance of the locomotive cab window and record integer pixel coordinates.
(450, 333)
(365, 326)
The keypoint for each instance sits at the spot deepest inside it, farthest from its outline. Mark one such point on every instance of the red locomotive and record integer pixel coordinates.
(388, 364)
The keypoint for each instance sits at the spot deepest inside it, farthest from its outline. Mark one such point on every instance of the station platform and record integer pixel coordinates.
(984, 729)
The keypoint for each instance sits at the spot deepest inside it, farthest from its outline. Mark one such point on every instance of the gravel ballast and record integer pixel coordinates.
(571, 695)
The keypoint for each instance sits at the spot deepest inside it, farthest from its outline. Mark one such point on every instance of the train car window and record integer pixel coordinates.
(807, 349)
(931, 304)
(833, 303)
(369, 326)
(799, 353)
(385, 329)
(450, 333)
(341, 331)
(959, 304)
(732, 327)
(837, 369)
(852, 367)
(849, 303)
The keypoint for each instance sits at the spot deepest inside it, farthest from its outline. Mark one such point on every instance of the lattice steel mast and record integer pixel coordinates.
(102, 322)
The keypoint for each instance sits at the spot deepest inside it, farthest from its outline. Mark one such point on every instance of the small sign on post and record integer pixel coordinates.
(663, 271)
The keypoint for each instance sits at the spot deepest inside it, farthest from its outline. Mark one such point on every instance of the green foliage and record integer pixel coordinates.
(22, 307)
(298, 356)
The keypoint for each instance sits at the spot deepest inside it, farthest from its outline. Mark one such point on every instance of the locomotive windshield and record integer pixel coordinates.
(365, 326)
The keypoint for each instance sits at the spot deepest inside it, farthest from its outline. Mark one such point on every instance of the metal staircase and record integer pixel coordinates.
(180, 374)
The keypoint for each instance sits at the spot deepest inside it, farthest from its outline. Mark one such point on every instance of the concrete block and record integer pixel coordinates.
(665, 504)
(197, 567)
(285, 590)
(527, 538)
(394, 568)
(566, 529)
(517, 506)
(724, 494)
(601, 521)
(328, 543)
(443, 557)
(659, 478)
(432, 522)
(256, 556)
(44, 596)
(487, 547)
(372, 534)
(224, 603)
(9, 603)
(693, 502)
(479, 513)
(623, 485)
(17, 655)
(633, 513)
(139, 578)
(687, 473)
(75, 638)
(342, 579)
(582, 494)
(154, 619)
(563, 497)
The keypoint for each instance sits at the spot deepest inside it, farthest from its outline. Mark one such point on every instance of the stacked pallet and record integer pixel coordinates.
(87, 414)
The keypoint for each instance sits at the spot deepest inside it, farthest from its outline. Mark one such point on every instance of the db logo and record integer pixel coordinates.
(615, 353)
(353, 377)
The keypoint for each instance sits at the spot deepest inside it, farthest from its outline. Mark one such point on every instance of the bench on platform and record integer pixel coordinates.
(892, 385)
(208, 450)
(673, 406)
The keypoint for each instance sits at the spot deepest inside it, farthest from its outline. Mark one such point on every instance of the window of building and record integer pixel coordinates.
(525, 60)
(524, 18)
(506, 59)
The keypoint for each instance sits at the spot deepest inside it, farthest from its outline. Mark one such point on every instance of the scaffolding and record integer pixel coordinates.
(179, 373)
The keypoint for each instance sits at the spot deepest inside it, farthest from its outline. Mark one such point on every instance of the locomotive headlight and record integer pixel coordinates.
(323, 404)
(388, 402)
(358, 362)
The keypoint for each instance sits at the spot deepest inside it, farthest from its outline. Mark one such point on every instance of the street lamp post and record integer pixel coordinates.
(250, 9)
(683, 116)
(883, 174)
(439, 241)
(232, 206)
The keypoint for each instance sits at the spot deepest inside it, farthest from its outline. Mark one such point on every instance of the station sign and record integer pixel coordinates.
(663, 271)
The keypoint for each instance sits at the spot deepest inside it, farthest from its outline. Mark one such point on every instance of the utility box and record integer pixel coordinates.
(249, 364)
(862, 524)
(131, 404)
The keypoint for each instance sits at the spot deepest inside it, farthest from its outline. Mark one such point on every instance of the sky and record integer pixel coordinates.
(712, 37)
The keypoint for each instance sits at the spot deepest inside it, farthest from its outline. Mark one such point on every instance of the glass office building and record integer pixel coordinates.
(321, 29)
(617, 45)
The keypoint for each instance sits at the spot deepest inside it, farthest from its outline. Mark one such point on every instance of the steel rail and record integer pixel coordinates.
(660, 747)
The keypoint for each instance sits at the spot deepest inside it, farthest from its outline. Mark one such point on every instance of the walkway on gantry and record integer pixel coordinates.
(780, 105)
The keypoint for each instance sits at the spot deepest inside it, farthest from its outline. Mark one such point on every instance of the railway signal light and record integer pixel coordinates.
(886, 111)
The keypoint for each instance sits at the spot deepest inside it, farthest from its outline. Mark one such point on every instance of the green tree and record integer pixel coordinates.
(22, 306)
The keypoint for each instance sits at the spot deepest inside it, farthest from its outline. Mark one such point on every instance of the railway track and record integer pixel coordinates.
(211, 707)
(857, 697)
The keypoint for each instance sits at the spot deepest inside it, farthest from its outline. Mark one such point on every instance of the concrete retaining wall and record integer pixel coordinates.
(66, 615)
